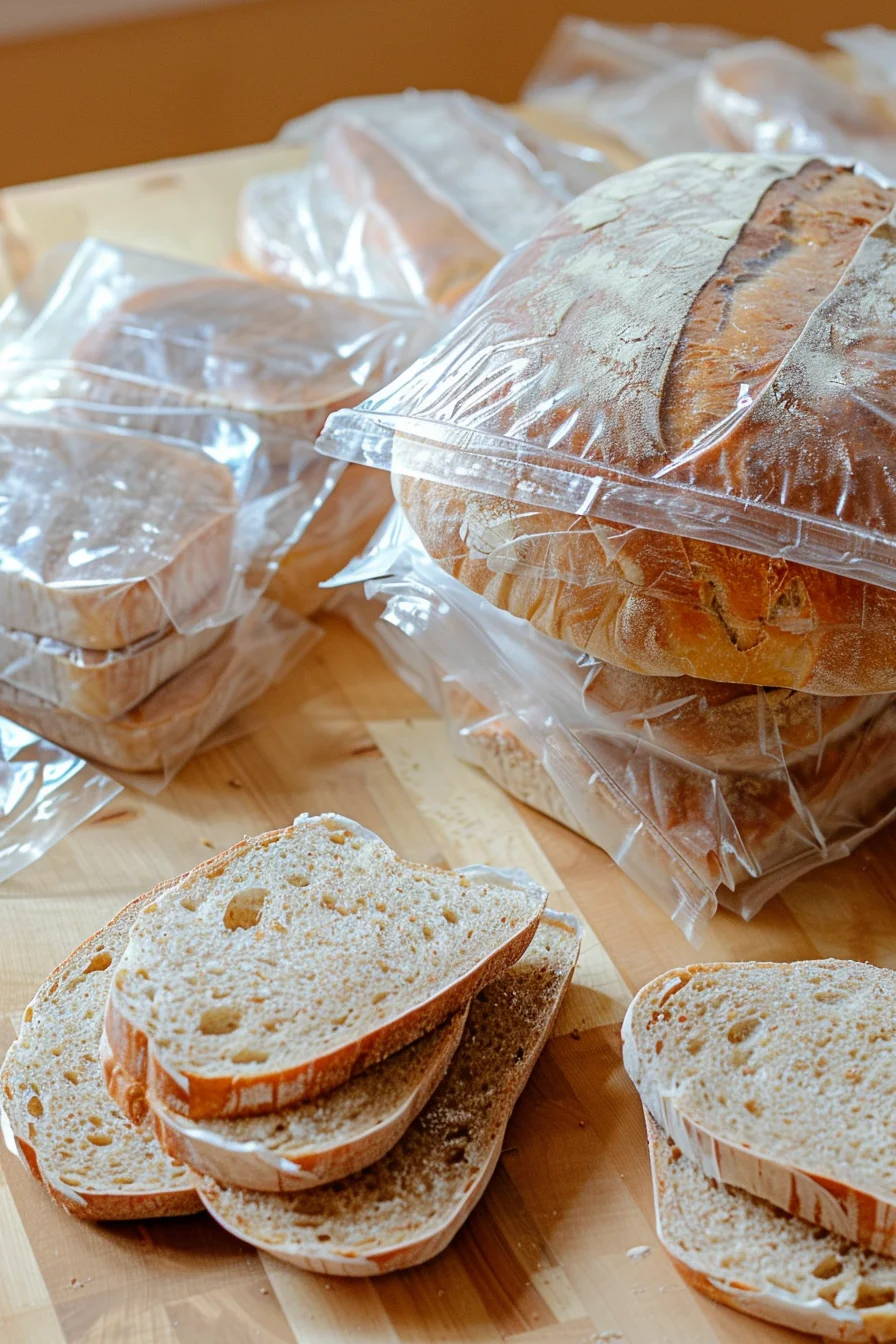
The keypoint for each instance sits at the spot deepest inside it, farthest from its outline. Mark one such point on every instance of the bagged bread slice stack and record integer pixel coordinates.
(656, 440)
(762, 1085)
(266, 1077)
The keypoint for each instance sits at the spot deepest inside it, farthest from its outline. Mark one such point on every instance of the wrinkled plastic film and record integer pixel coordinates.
(45, 792)
(715, 793)
(156, 443)
(409, 198)
(555, 393)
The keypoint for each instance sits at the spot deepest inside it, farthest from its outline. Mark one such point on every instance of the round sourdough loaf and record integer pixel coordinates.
(656, 602)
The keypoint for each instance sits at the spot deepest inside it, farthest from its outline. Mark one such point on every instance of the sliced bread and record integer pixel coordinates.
(776, 1078)
(312, 1142)
(56, 1113)
(275, 971)
(407, 1207)
(747, 1254)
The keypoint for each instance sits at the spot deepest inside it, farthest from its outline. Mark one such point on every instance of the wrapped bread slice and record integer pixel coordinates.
(738, 1062)
(746, 1254)
(56, 1113)
(158, 735)
(314, 1142)
(260, 1022)
(96, 684)
(662, 434)
(408, 1206)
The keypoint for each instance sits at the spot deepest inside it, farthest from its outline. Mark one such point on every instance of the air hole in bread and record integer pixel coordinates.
(190, 903)
(449, 914)
(244, 909)
(35, 1107)
(99, 1140)
(101, 961)
(220, 1021)
(829, 1267)
(869, 1295)
(743, 1030)
(250, 1055)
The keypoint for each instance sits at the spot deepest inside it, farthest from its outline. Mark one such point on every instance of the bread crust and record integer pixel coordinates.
(256, 1167)
(667, 606)
(202, 1097)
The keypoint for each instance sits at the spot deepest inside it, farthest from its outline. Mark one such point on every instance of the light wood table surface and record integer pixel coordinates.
(544, 1257)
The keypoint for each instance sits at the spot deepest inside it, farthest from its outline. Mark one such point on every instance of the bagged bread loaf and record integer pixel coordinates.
(662, 434)
(410, 198)
(714, 794)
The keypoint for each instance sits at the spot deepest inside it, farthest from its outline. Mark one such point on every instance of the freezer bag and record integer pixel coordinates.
(409, 198)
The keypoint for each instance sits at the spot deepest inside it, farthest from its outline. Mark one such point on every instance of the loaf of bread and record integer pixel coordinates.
(275, 915)
(671, 353)
(747, 1254)
(769, 1076)
(92, 683)
(105, 539)
(159, 734)
(56, 1113)
(407, 1207)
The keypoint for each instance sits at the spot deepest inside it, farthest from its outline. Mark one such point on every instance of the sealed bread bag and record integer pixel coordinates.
(409, 198)
(702, 792)
(157, 436)
(663, 433)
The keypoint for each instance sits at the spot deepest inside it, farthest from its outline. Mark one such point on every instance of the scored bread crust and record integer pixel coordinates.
(726, 616)
(729, 318)
(226, 1157)
(419, 1244)
(236, 1093)
(177, 1199)
(752, 1292)
(865, 1217)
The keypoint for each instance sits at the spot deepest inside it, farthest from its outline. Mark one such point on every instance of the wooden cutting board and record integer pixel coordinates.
(554, 1253)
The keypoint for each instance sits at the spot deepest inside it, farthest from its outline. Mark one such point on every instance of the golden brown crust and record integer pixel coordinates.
(663, 605)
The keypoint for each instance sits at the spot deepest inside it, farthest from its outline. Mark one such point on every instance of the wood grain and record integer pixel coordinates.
(544, 1257)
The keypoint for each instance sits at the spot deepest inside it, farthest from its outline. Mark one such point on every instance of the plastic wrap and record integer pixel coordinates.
(772, 98)
(156, 439)
(675, 356)
(145, 747)
(45, 792)
(638, 84)
(659, 780)
(409, 198)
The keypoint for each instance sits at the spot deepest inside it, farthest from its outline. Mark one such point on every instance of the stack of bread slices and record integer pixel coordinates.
(766, 1089)
(316, 1040)
(153, 487)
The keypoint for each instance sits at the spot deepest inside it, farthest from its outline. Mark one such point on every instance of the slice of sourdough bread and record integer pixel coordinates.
(747, 1254)
(56, 1113)
(775, 1077)
(312, 1142)
(277, 970)
(407, 1207)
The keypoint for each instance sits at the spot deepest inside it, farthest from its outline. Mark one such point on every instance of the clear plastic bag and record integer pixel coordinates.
(627, 381)
(772, 98)
(156, 439)
(145, 747)
(712, 794)
(45, 792)
(638, 84)
(409, 198)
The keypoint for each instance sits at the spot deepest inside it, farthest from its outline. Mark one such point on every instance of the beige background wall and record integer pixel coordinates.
(179, 84)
